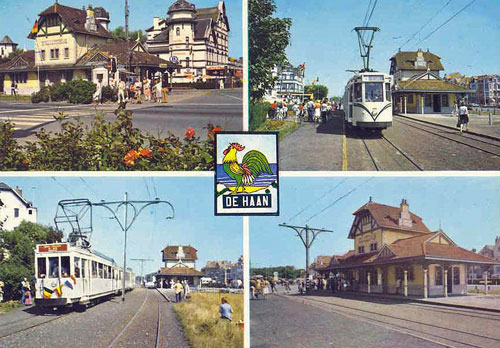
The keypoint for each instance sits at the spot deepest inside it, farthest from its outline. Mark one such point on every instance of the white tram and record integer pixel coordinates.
(367, 101)
(69, 275)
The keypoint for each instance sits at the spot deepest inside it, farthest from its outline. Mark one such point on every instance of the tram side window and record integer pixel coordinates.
(358, 94)
(65, 266)
(110, 275)
(42, 267)
(84, 267)
(374, 92)
(53, 267)
(77, 267)
(94, 269)
(388, 96)
(101, 271)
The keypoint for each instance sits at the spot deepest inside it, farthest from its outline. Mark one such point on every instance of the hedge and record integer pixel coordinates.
(258, 113)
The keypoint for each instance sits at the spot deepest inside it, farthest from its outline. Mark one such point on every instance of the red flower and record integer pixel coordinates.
(130, 157)
(189, 133)
(146, 153)
(216, 130)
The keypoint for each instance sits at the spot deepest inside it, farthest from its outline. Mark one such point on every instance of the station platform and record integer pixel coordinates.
(478, 124)
(490, 303)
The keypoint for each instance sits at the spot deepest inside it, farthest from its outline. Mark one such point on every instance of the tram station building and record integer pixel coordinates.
(395, 253)
(419, 87)
(180, 264)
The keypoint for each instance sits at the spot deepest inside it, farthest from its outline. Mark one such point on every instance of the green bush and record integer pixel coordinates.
(59, 92)
(108, 94)
(80, 91)
(258, 113)
(40, 96)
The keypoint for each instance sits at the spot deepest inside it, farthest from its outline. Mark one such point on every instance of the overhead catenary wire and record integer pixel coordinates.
(425, 24)
(446, 22)
(88, 186)
(338, 199)
(316, 200)
(63, 186)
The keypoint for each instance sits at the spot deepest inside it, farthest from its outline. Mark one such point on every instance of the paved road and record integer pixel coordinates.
(408, 145)
(103, 325)
(328, 321)
(185, 109)
(313, 147)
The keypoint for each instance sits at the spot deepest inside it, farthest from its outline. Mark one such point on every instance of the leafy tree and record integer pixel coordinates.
(319, 91)
(18, 261)
(118, 35)
(288, 272)
(11, 56)
(268, 39)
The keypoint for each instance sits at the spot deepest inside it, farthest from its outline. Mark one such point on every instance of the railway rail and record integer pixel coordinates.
(438, 334)
(482, 143)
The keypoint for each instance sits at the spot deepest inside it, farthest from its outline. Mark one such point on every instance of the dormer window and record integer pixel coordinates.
(361, 250)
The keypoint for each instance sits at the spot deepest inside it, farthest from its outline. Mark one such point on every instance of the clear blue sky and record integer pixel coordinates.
(322, 35)
(218, 238)
(17, 17)
(468, 209)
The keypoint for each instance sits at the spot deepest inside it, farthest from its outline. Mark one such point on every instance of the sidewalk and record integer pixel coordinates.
(490, 303)
(477, 124)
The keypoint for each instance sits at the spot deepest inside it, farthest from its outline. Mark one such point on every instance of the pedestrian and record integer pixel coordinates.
(178, 289)
(324, 109)
(463, 117)
(138, 90)
(131, 92)
(317, 111)
(164, 89)
(273, 286)
(24, 287)
(13, 88)
(272, 110)
(1, 290)
(147, 88)
(158, 89)
(121, 91)
(225, 310)
(287, 286)
(285, 110)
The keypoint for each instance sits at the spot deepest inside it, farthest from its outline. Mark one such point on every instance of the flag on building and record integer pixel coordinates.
(35, 28)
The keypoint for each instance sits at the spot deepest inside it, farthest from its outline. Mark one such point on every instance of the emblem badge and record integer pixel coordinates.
(246, 174)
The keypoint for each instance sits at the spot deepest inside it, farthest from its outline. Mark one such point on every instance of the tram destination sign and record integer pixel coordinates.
(52, 247)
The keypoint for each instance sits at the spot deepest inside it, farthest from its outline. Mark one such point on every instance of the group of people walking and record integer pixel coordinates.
(135, 90)
(462, 112)
(311, 111)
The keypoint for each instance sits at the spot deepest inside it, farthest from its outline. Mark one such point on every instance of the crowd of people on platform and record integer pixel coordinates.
(307, 111)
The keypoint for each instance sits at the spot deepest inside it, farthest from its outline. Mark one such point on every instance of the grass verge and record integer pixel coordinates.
(9, 306)
(283, 128)
(18, 98)
(201, 321)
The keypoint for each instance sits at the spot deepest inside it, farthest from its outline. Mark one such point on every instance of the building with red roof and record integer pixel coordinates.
(395, 253)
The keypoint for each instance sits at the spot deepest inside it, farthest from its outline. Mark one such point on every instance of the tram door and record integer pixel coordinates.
(86, 276)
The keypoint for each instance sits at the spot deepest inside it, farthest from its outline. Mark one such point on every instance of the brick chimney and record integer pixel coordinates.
(404, 215)
(19, 191)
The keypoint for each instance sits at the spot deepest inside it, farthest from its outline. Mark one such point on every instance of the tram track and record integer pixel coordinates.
(30, 326)
(376, 161)
(472, 141)
(153, 341)
(439, 334)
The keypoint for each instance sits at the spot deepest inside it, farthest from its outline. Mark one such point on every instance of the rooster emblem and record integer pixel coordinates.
(254, 163)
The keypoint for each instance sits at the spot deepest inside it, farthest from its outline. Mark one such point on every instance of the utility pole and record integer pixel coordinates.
(137, 208)
(142, 266)
(307, 236)
(126, 35)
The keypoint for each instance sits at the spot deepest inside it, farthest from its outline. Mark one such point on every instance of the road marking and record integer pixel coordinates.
(130, 322)
(204, 104)
(55, 108)
(230, 96)
(344, 153)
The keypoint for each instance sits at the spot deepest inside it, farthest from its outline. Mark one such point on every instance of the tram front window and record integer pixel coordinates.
(374, 92)
(357, 92)
(388, 92)
(65, 266)
(42, 267)
(53, 267)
